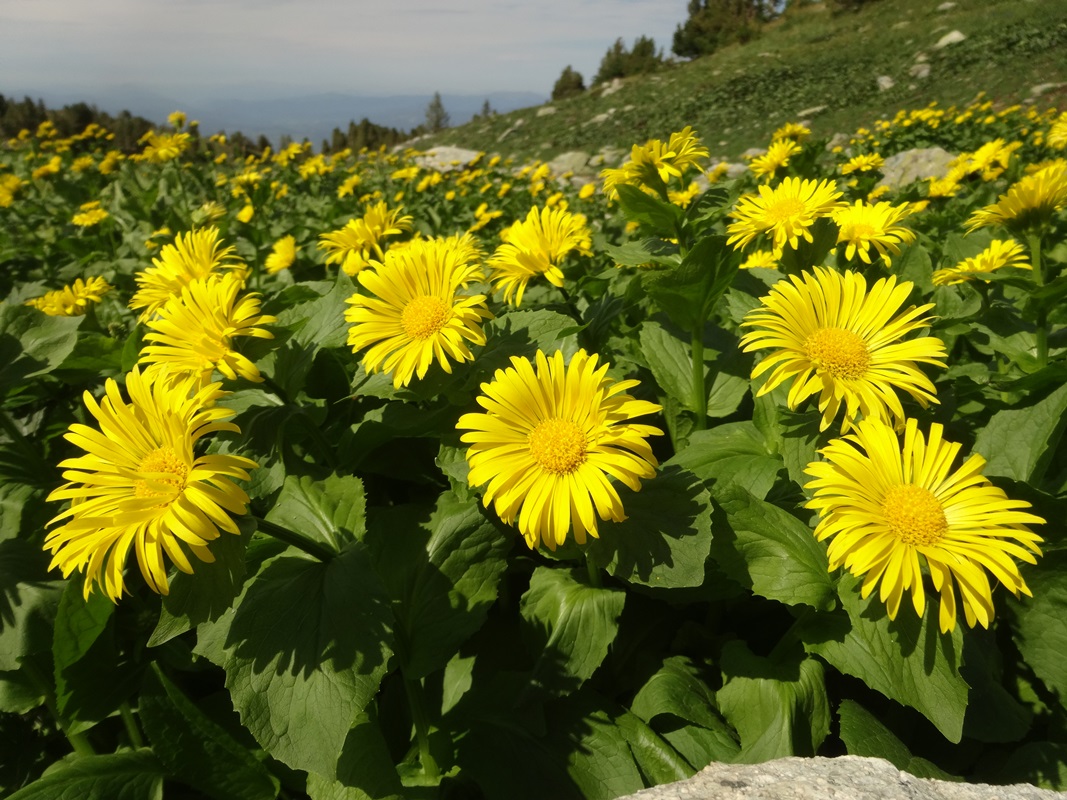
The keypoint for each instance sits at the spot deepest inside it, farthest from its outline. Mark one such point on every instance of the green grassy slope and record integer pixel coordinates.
(735, 98)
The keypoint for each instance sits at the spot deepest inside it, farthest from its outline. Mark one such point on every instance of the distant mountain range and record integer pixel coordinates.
(255, 111)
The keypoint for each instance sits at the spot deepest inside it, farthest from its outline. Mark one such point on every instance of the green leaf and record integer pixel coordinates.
(995, 715)
(642, 252)
(442, 575)
(779, 708)
(1018, 443)
(666, 536)
(658, 215)
(1041, 621)
(772, 552)
(907, 660)
(864, 735)
(658, 760)
(83, 690)
(570, 624)
(197, 751)
(1042, 764)
(689, 292)
(27, 604)
(914, 265)
(522, 333)
(671, 362)
(321, 322)
(734, 453)
(32, 343)
(304, 652)
(365, 770)
(18, 693)
(332, 511)
(134, 775)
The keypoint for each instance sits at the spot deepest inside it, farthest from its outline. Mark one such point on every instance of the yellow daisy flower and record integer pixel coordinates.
(656, 162)
(89, 214)
(866, 162)
(785, 212)
(837, 340)
(766, 259)
(884, 506)
(1029, 201)
(549, 443)
(1000, 253)
(792, 130)
(1057, 134)
(417, 312)
(282, 255)
(776, 157)
(163, 147)
(483, 216)
(537, 246)
(865, 226)
(192, 255)
(357, 242)
(194, 331)
(73, 300)
(141, 485)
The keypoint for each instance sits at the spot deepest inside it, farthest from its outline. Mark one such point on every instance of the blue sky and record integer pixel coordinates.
(203, 48)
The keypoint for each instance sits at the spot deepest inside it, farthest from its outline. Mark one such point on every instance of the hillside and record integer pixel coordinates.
(827, 65)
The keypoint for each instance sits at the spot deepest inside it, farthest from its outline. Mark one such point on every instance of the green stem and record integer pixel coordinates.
(417, 703)
(312, 548)
(132, 731)
(78, 741)
(594, 573)
(1041, 331)
(700, 390)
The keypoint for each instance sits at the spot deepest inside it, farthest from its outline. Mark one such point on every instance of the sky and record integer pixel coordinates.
(187, 49)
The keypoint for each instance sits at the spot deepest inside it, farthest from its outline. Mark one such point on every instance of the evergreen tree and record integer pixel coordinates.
(713, 24)
(620, 62)
(569, 84)
(436, 117)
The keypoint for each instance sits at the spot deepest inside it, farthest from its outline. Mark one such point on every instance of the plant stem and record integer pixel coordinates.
(78, 742)
(417, 703)
(1041, 332)
(312, 548)
(700, 390)
(594, 573)
(132, 731)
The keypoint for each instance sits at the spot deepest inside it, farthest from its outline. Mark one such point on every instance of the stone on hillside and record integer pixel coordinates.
(885, 83)
(1041, 88)
(952, 37)
(575, 161)
(445, 159)
(948, 6)
(915, 165)
(901, 24)
(611, 88)
(811, 112)
(514, 127)
(599, 119)
(735, 170)
(545, 111)
(608, 156)
(920, 70)
(843, 778)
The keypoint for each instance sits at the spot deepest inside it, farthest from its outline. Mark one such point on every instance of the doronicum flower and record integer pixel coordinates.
(354, 245)
(550, 442)
(282, 255)
(163, 147)
(654, 163)
(73, 300)
(887, 509)
(141, 486)
(1057, 134)
(792, 130)
(1030, 201)
(1000, 253)
(194, 332)
(89, 214)
(862, 227)
(537, 246)
(418, 311)
(834, 338)
(192, 255)
(785, 213)
(760, 258)
(777, 156)
(866, 162)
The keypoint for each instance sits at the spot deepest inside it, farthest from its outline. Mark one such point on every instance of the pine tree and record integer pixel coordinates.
(570, 84)
(436, 117)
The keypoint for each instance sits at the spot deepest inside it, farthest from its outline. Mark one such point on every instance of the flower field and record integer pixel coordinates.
(343, 476)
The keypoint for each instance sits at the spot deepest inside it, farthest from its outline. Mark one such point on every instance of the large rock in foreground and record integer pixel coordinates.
(844, 778)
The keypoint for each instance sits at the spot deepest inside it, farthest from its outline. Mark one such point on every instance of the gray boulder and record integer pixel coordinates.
(844, 778)
(575, 161)
(445, 159)
(953, 37)
(915, 165)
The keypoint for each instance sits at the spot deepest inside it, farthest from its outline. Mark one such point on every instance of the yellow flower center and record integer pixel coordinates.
(914, 515)
(785, 209)
(424, 316)
(161, 460)
(841, 353)
(860, 230)
(558, 446)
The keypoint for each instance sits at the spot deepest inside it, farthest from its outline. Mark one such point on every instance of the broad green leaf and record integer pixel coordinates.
(304, 652)
(677, 689)
(670, 360)
(332, 511)
(321, 322)
(32, 343)
(688, 293)
(864, 735)
(666, 536)
(993, 713)
(907, 660)
(779, 707)
(913, 264)
(521, 334)
(570, 624)
(15, 500)
(131, 775)
(197, 751)
(658, 760)
(641, 252)
(658, 215)
(771, 551)
(1043, 764)
(27, 604)
(1041, 621)
(365, 770)
(1018, 442)
(18, 693)
(441, 571)
(731, 453)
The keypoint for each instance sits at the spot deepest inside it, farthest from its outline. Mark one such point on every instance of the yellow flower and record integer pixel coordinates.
(246, 213)
(537, 246)
(89, 214)
(73, 300)
(1030, 201)
(141, 485)
(792, 130)
(549, 443)
(348, 186)
(176, 119)
(483, 216)
(685, 197)
(587, 191)
(163, 147)
(1057, 134)
(864, 226)
(760, 258)
(53, 167)
(405, 174)
(81, 164)
(282, 255)
(1000, 253)
(192, 255)
(9, 184)
(884, 506)
(785, 212)
(863, 163)
(776, 157)
(837, 340)
(417, 312)
(654, 163)
(194, 332)
(357, 242)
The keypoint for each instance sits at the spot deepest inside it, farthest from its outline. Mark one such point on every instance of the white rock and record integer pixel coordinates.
(952, 37)
(1041, 88)
(575, 161)
(545, 111)
(920, 70)
(902, 24)
(915, 165)
(921, 58)
(445, 159)
(885, 83)
(946, 6)
(811, 112)
(611, 88)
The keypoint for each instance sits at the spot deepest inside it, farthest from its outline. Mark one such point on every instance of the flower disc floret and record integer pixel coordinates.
(785, 213)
